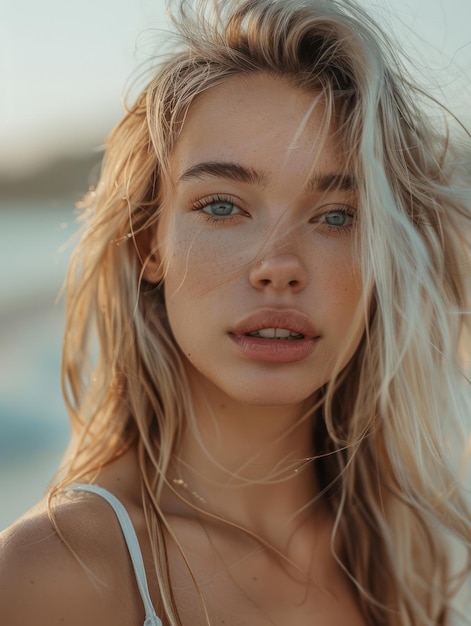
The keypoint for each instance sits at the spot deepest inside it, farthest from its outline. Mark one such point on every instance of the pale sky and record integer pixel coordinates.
(64, 66)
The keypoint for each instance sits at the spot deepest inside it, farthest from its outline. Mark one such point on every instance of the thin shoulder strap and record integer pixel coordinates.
(132, 543)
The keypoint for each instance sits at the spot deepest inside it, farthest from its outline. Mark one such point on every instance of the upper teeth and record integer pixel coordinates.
(276, 333)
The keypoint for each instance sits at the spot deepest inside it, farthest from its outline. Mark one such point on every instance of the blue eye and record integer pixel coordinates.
(220, 208)
(338, 218)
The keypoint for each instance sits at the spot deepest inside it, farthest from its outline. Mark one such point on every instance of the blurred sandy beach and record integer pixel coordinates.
(33, 422)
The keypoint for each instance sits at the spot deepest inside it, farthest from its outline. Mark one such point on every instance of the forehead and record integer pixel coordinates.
(260, 121)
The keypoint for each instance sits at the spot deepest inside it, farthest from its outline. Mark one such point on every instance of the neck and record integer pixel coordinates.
(247, 464)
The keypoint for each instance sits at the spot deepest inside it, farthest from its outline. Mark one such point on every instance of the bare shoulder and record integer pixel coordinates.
(70, 573)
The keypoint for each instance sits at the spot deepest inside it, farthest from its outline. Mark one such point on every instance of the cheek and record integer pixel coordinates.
(338, 277)
(197, 263)
(349, 289)
(347, 319)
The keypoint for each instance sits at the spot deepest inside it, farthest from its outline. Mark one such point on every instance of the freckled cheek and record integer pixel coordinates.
(337, 274)
(338, 300)
(350, 288)
(199, 265)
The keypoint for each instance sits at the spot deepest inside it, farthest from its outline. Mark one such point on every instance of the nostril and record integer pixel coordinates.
(279, 271)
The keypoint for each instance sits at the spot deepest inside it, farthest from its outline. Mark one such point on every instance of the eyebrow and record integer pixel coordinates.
(224, 169)
(332, 182)
(241, 173)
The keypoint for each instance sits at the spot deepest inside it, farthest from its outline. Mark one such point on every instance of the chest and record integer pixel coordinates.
(229, 582)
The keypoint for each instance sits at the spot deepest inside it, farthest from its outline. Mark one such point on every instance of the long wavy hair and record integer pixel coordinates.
(393, 421)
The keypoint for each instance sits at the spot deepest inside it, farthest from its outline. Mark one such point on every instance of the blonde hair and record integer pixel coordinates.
(394, 416)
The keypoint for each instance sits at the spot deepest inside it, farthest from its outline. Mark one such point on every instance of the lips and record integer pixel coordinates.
(274, 324)
(275, 336)
(276, 333)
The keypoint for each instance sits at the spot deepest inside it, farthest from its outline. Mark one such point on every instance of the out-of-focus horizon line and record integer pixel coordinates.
(59, 180)
(67, 67)
(71, 165)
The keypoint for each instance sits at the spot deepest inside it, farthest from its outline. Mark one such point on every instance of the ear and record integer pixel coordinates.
(147, 249)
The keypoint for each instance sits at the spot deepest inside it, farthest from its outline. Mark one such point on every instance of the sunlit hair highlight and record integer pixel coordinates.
(390, 422)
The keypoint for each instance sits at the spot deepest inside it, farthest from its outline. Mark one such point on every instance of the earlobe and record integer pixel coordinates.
(152, 270)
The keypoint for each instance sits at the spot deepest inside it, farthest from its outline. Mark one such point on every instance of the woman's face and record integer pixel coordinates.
(262, 284)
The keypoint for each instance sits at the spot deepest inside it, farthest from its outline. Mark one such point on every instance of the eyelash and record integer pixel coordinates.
(348, 211)
(201, 203)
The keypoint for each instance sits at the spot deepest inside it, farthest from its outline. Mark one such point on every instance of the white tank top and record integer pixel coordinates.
(132, 543)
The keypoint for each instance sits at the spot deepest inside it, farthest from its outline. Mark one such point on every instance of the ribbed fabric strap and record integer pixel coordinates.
(132, 543)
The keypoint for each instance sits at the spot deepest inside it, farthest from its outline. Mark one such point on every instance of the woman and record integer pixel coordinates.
(264, 358)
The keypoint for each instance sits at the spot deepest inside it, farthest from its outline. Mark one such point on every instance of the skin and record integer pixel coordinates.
(249, 413)
(218, 272)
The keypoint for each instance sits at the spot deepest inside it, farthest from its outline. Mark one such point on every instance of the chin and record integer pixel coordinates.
(273, 397)
(263, 391)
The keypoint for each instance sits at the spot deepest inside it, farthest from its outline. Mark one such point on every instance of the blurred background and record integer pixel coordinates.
(64, 69)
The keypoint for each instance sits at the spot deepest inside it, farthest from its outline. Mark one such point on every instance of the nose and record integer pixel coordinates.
(279, 272)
